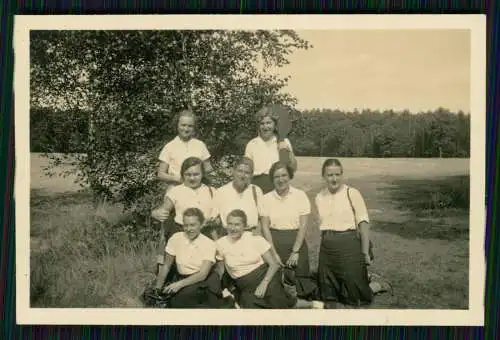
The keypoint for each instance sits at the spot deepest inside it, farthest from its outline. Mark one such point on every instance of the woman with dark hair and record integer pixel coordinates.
(249, 261)
(195, 284)
(192, 193)
(263, 150)
(284, 225)
(345, 242)
(184, 145)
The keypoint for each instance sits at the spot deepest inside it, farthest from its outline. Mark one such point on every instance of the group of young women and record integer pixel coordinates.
(245, 241)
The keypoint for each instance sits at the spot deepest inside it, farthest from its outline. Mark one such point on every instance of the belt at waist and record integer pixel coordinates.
(338, 231)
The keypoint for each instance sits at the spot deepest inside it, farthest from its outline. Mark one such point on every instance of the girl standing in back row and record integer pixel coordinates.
(184, 145)
(263, 150)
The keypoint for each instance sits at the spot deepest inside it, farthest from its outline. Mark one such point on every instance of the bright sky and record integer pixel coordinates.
(404, 69)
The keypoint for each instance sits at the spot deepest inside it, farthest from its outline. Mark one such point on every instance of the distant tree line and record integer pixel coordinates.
(367, 133)
(438, 133)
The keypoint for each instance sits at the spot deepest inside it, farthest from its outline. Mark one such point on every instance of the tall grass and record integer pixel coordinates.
(87, 257)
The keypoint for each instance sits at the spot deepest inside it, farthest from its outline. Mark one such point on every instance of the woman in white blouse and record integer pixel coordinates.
(184, 145)
(191, 194)
(195, 284)
(240, 194)
(345, 242)
(249, 261)
(263, 150)
(284, 225)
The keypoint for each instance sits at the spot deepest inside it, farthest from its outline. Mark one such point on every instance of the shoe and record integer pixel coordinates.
(318, 304)
(385, 285)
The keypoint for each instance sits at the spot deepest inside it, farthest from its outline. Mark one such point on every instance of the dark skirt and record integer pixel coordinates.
(205, 294)
(284, 240)
(275, 297)
(342, 272)
(264, 182)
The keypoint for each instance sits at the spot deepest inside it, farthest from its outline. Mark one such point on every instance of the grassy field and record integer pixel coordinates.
(81, 256)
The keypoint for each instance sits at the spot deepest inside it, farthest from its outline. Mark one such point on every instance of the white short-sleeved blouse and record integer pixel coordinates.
(189, 255)
(284, 212)
(243, 256)
(264, 153)
(336, 212)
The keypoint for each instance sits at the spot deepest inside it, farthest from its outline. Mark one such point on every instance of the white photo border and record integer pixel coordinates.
(474, 316)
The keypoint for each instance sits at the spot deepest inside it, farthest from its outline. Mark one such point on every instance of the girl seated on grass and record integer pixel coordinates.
(195, 283)
(250, 262)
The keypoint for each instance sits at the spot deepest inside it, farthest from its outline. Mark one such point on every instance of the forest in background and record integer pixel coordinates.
(367, 133)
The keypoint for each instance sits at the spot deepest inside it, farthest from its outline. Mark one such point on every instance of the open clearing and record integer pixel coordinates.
(427, 265)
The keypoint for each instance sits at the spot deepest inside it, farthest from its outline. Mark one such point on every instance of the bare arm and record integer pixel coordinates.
(164, 270)
(265, 223)
(293, 259)
(301, 234)
(163, 211)
(164, 176)
(272, 268)
(364, 232)
(190, 280)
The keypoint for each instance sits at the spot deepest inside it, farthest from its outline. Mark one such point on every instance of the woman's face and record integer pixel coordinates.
(235, 227)
(266, 128)
(185, 128)
(333, 177)
(242, 175)
(192, 226)
(281, 180)
(192, 176)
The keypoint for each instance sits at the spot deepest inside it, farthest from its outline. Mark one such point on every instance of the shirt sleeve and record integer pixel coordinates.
(359, 206)
(208, 251)
(261, 245)
(205, 154)
(265, 207)
(165, 154)
(171, 194)
(287, 141)
(172, 245)
(304, 205)
(248, 150)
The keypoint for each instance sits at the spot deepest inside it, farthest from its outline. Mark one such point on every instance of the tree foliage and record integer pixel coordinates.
(128, 85)
(438, 133)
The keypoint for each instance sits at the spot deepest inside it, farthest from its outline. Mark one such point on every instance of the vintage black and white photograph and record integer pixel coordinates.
(268, 165)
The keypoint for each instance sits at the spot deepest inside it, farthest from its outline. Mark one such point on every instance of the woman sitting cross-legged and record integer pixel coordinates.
(195, 283)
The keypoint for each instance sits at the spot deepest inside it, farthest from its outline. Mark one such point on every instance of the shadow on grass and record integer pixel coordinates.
(438, 208)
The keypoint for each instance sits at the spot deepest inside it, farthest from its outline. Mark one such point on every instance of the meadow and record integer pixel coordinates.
(87, 256)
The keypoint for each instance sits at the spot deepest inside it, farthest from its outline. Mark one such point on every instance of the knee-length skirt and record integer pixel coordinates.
(342, 272)
(275, 297)
(307, 287)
